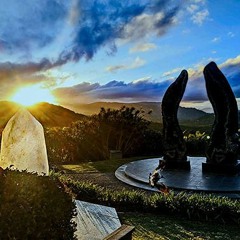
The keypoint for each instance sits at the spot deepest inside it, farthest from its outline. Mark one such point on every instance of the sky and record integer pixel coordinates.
(84, 51)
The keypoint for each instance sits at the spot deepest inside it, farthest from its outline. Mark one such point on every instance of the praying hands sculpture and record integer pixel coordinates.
(223, 147)
(174, 146)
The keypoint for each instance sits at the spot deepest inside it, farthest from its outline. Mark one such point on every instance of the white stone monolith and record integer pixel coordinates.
(23, 144)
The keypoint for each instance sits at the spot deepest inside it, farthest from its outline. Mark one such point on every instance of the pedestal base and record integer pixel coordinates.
(221, 168)
(178, 165)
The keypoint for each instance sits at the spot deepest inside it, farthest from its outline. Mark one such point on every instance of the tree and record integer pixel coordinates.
(121, 129)
(79, 142)
(91, 139)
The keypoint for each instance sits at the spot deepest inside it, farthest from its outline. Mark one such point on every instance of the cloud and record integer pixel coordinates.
(148, 89)
(13, 75)
(79, 89)
(137, 63)
(231, 34)
(30, 25)
(145, 79)
(199, 17)
(87, 26)
(200, 1)
(32, 29)
(143, 47)
(146, 24)
(101, 23)
(9, 70)
(115, 68)
(231, 62)
(192, 8)
(231, 69)
(216, 39)
(198, 11)
(196, 86)
(170, 73)
(141, 90)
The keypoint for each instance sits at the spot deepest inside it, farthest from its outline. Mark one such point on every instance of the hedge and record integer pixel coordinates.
(198, 206)
(34, 207)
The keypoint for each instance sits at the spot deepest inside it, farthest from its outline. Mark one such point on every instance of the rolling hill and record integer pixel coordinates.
(49, 115)
(184, 114)
(7, 110)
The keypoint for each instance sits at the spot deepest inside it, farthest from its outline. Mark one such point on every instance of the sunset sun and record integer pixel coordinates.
(31, 95)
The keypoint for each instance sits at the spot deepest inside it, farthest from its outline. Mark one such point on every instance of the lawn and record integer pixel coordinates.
(159, 227)
(105, 166)
(151, 226)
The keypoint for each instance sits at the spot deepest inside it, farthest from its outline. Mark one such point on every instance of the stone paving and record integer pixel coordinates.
(136, 174)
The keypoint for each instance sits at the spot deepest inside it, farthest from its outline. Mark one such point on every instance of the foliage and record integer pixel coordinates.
(192, 206)
(196, 142)
(152, 143)
(34, 207)
(75, 143)
(122, 129)
(92, 139)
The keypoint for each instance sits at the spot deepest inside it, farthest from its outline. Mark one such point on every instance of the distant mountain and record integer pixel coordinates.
(7, 110)
(49, 115)
(184, 114)
(209, 119)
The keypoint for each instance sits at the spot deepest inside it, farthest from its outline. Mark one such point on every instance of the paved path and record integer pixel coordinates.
(136, 174)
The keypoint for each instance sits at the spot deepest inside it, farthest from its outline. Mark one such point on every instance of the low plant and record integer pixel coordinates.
(34, 207)
(196, 142)
(191, 205)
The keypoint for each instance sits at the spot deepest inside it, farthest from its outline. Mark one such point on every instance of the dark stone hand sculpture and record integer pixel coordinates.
(224, 144)
(174, 147)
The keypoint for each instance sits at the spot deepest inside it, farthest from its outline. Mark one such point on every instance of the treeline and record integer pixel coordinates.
(125, 129)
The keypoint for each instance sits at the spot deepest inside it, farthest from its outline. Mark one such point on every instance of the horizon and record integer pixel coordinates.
(82, 52)
(77, 109)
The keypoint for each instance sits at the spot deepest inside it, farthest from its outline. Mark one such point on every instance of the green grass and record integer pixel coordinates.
(105, 166)
(161, 227)
(204, 207)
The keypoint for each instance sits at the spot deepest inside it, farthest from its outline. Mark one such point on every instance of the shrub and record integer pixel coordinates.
(79, 142)
(193, 206)
(34, 207)
(92, 138)
(196, 142)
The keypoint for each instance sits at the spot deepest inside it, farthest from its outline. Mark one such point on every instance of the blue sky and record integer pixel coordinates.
(125, 51)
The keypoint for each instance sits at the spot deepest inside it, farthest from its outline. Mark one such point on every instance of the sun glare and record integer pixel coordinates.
(31, 95)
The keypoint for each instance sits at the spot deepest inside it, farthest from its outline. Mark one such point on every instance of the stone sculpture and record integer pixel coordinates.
(174, 147)
(23, 144)
(156, 175)
(223, 147)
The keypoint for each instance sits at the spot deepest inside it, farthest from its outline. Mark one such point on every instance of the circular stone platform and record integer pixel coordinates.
(136, 174)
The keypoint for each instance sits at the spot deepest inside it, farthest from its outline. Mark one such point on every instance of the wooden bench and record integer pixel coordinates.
(122, 233)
